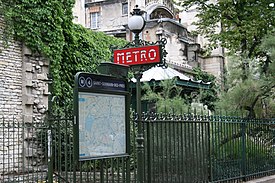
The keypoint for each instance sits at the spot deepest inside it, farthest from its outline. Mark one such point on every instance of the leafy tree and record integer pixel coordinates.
(256, 94)
(168, 99)
(243, 24)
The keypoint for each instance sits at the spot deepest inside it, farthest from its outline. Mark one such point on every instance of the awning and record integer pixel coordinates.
(159, 74)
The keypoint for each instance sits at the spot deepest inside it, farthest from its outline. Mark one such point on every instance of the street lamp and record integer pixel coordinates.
(136, 24)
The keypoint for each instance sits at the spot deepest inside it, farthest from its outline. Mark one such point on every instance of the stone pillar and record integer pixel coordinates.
(35, 69)
(35, 87)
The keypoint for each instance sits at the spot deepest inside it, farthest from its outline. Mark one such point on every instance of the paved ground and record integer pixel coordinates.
(270, 179)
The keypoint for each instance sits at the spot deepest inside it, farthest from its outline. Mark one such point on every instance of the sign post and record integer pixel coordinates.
(140, 55)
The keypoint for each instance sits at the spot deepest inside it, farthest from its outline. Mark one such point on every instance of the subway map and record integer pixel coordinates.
(101, 125)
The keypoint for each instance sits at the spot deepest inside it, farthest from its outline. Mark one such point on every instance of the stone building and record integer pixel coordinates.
(23, 103)
(213, 63)
(162, 20)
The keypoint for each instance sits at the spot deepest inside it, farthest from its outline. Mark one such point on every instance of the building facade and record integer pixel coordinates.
(162, 21)
(213, 63)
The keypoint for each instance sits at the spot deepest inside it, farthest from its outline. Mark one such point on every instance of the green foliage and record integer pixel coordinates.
(202, 75)
(243, 23)
(83, 52)
(39, 24)
(231, 150)
(253, 96)
(268, 46)
(46, 27)
(246, 29)
(168, 99)
(207, 97)
(240, 143)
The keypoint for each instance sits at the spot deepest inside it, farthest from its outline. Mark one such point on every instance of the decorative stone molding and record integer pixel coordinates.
(35, 87)
(35, 93)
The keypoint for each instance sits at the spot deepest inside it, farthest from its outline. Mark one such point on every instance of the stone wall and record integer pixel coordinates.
(34, 86)
(23, 104)
(10, 79)
(213, 65)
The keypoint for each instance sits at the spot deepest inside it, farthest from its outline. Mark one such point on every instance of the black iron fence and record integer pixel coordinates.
(195, 148)
(23, 153)
(63, 168)
(184, 148)
(176, 149)
(241, 148)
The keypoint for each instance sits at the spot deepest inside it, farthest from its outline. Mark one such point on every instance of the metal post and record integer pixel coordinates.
(243, 140)
(50, 157)
(50, 129)
(136, 39)
(139, 138)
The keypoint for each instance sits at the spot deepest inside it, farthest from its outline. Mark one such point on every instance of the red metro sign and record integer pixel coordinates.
(138, 56)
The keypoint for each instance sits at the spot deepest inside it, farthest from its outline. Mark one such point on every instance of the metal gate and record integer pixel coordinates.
(176, 149)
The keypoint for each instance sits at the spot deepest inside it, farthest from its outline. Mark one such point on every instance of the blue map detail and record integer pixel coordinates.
(89, 122)
(81, 100)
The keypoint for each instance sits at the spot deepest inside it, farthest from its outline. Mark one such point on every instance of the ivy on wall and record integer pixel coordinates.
(46, 27)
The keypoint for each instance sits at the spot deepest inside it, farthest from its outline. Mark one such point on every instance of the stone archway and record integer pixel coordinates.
(157, 11)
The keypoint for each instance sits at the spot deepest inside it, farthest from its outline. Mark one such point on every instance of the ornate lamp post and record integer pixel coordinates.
(136, 24)
(140, 55)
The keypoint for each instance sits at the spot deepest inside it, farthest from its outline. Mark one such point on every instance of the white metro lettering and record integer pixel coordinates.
(143, 55)
(152, 54)
(128, 57)
(137, 55)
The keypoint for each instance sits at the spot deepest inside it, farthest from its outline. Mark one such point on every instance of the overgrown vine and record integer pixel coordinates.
(46, 27)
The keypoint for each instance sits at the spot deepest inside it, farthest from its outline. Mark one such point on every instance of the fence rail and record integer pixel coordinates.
(184, 148)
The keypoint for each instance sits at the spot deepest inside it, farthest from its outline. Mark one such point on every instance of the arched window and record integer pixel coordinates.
(160, 13)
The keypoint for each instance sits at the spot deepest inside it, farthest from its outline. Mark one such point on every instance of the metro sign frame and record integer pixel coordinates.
(152, 54)
(138, 55)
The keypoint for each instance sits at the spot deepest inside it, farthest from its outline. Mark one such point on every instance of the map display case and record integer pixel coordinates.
(101, 116)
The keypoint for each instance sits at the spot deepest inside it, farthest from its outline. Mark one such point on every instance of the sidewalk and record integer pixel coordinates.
(269, 179)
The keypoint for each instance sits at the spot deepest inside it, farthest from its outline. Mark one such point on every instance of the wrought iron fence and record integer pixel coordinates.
(23, 153)
(196, 148)
(176, 149)
(241, 148)
(184, 148)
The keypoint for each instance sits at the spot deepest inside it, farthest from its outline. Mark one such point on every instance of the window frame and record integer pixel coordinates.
(95, 25)
(123, 8)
